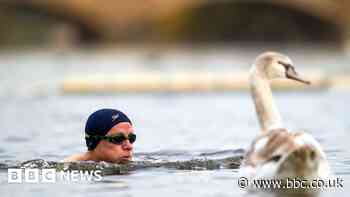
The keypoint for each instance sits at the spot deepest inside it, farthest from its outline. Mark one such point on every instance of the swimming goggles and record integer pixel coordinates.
(115, 139)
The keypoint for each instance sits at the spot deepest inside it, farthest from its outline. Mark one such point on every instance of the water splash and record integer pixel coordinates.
(229, 159)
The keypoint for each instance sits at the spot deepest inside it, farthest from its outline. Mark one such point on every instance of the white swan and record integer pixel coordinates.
(277, 153)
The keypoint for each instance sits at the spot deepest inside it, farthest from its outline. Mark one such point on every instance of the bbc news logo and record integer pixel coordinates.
(15, 175)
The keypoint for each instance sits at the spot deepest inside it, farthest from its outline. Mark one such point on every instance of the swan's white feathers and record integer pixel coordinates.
(277, 152)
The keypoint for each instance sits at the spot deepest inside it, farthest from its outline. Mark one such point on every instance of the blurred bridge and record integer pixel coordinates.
(117, 19)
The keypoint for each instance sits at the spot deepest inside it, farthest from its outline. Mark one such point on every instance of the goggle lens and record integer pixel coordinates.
(120, 138)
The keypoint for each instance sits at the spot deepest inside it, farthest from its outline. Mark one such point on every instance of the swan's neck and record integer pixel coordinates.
(267, 112)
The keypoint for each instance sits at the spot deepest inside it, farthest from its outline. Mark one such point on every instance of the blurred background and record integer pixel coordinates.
(83, 22)
(149, 37)
(171, 65)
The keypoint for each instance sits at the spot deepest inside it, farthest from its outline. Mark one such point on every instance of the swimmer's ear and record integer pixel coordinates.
(91, 141)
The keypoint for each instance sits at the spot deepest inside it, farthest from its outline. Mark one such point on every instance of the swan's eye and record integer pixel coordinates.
(275, 158)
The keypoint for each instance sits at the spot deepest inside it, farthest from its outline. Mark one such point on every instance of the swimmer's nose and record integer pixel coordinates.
(127, 145)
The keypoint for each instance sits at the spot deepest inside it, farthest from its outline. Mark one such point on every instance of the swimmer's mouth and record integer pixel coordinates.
(126, 158)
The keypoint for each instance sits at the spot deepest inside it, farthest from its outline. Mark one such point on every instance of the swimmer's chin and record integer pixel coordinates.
(125, 159)
(119, 160)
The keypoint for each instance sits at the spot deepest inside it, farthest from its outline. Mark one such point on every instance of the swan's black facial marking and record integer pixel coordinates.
(275, 158)
(291, 73)
(287, 66)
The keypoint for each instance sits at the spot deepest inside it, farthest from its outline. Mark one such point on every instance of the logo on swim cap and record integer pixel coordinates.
(115, 117)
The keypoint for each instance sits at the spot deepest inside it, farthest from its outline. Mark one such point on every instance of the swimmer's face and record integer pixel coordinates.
(118, 153)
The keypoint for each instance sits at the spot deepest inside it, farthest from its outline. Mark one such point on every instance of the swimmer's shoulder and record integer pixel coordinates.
(76, 157)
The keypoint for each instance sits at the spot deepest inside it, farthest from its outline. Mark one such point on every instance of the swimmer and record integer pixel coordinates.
(109, 137)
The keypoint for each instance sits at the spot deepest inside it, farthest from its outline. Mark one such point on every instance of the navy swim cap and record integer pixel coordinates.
(100, 122)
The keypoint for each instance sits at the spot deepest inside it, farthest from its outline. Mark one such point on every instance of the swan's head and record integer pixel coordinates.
(281, 154)
(273, 65)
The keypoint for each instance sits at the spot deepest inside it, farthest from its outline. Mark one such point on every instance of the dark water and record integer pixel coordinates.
(36, 121)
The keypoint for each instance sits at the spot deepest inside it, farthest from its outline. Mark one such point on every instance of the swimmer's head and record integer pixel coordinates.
(109, 134)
